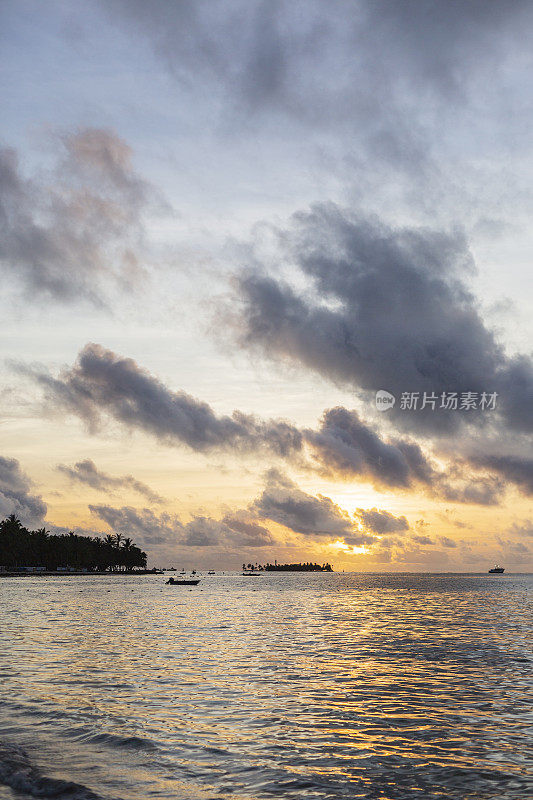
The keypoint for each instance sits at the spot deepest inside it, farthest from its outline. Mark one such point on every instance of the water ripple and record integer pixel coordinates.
(315, 686)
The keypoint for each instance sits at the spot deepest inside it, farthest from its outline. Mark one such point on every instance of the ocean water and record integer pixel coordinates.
(284, 685)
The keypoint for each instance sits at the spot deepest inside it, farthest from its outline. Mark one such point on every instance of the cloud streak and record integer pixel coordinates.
(103, 385)
(86, 472)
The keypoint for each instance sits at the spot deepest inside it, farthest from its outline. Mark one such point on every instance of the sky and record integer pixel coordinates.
(266, 279)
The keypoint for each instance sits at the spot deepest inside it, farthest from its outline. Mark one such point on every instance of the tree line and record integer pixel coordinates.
(307, 566)
(20, 547)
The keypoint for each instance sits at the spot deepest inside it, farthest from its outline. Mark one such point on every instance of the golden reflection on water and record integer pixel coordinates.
(304, 685)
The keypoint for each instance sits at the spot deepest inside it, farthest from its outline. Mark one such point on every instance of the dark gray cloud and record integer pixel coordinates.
(16, 495)
(104, 383)
(384, 308)
(345, 445)
(379, 521)
(87, 472)
(283, 502)
(512, 469)
(76, 231)
(62, 530)
(479, 490)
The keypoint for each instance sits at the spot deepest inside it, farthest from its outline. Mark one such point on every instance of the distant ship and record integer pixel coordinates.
(497, 569)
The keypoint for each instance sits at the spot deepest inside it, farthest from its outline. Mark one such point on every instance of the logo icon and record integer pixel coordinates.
(384, 400)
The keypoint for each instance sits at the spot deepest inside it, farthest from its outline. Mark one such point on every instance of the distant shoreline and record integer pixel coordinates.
(73, 574)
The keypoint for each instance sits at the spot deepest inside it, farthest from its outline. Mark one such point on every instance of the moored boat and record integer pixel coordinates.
(179, 582)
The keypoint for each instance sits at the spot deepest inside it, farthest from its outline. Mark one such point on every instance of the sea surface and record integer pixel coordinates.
(285, 685)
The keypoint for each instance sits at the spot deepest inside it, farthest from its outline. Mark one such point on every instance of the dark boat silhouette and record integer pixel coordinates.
(497, 569)
(179, 582)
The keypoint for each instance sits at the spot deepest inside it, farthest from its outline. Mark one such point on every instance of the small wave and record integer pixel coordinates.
(17, 772)
(114, 740)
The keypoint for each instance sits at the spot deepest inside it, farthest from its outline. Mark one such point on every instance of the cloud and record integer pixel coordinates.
(523, 528)
(440, 45)
(87, 472)
(75, 232)
(345, 445)
(519, 549)
(383, 308)
(445, 541)
(317, 517)
(516, 550)
(370, 306)
(102, 383)
(481, 490)
(246, 531)
(203, 532)
(16, 496)
(235, 530)
(380, 76)
(513, 469)
(141, 524)
(420, 539)
(314, 517)
(379, 521)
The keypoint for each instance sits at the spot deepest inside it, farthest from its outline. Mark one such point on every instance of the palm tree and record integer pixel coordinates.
(22, 547)
(109, 542)
(127, 545)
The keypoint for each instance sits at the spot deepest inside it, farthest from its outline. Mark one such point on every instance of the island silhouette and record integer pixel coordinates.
(306, 566)
(25, 550)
